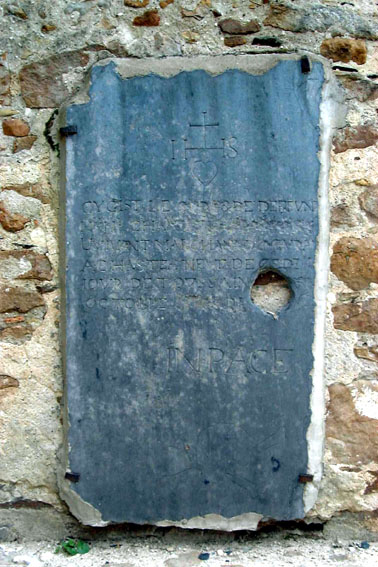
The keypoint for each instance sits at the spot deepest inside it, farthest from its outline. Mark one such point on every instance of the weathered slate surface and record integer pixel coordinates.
(184, 398)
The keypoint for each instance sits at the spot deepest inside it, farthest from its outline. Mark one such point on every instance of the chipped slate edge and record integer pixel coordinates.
(248, 521)
(330, 113)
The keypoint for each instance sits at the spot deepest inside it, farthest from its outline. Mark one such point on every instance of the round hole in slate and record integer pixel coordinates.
(271, 291)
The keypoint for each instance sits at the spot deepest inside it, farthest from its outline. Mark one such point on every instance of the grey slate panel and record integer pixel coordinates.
(184, 398)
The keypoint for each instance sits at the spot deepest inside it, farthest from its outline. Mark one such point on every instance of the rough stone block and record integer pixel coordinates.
(19, 299)
(318, 17)
(136, 3)
(236, 27)
(12, 222)
(367, 353)
(149, 19)
(359, 137)
(344, 49)
(355, 261)
(42, 83)
(235, 41)
(369, 201)
(359, 88)
(15, 127)
(361, 317)
(16, 210)
(25, 265)
(25, 143)
(36, 190)
(355, 433)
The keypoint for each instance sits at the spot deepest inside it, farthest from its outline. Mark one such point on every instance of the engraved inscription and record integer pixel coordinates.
(238, 360)
(128, 265)
(200, 145)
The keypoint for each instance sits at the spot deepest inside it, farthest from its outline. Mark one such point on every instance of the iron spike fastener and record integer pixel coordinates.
(305, 478)
(72, 476)
(305, 65)
(68, 130)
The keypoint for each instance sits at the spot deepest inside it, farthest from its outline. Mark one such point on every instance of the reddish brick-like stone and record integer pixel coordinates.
(355, 261)
(344, 49)
(235, 27)
(360, 137)
(15, 127)
(42, 84)
(16, 319)
(25, 143)
(19, 299)
(149, 19)
(17, 333)
(360, 317)
(136, 3)
(12, 222)
(356, 435)
(235, 41)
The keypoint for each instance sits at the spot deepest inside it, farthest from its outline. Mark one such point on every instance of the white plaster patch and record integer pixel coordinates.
(125, 36)
(38, 237)
(329, 115)
(366, 400)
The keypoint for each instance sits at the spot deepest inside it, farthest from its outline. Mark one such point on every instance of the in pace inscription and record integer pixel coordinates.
(185, 398)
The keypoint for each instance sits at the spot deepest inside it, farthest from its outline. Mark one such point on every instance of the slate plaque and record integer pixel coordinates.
(185, 398)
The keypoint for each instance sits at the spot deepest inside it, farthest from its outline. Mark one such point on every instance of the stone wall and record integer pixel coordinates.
(46, 50)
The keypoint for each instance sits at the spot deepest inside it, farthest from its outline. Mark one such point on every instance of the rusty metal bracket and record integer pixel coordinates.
(72, 476)
(68, 130)
(305, 64)
(304, 478)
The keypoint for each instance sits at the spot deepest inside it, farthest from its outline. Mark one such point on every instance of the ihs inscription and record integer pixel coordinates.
(201, 145)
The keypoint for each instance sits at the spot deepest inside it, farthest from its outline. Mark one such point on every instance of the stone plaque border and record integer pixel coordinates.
(256, 65)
